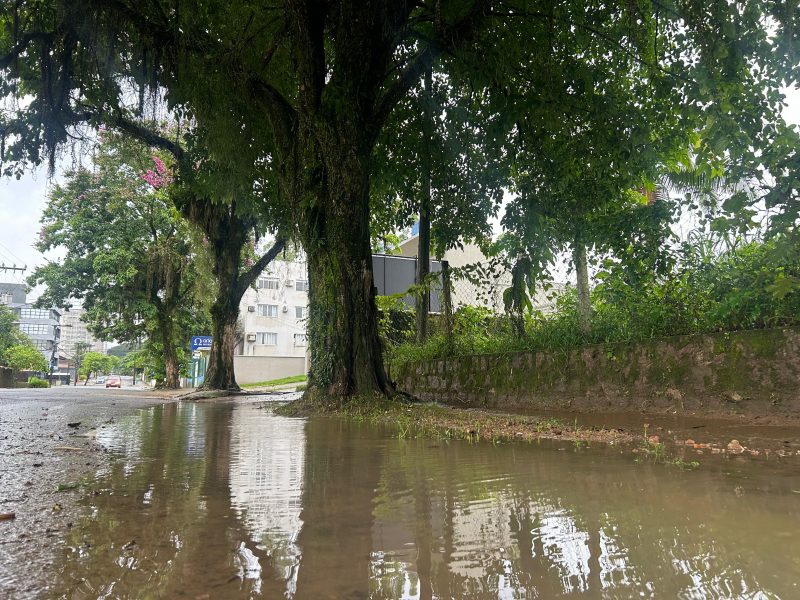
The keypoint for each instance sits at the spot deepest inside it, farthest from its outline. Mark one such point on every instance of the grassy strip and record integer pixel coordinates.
(427, 420)
(273, 382)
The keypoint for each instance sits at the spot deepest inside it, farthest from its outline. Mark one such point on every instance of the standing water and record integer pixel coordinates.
(231, 501)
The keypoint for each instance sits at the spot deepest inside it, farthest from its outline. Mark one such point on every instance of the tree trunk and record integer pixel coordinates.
(171, 365)
(228, 234)
(582, 273)
(220, 373)
(227, 255)
(424, 239)
(346, 356)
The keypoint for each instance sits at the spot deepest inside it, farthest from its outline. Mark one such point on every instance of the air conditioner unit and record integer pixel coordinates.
(251, 309)
(285, 308)
(289, 283)
(251, 337)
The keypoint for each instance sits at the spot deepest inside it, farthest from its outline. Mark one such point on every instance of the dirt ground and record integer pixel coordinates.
(47, 446)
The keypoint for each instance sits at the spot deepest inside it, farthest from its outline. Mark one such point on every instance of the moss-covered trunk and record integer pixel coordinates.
(346, 354)
(220, 373)
(227, 254)
(170, 352)
(424, 239)
(582, 275)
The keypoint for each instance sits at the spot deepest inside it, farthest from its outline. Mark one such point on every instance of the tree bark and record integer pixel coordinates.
(346, 356)
(228, 235)
(227, 243)
(582, 273)
(424, 239)
(171, 364)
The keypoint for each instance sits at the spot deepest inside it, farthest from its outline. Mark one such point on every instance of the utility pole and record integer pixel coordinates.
(4, 268)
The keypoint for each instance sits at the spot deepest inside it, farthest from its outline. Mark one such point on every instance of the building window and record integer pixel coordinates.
(42, 345)
(6, 298)
(34, 313)
(267, 338)
(299, 339)
(301, 312)
(301, 285)
(34, 329)
(267, 310)
(268, 283)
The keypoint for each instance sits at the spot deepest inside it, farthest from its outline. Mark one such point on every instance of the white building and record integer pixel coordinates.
(274, 314)
(488, 291)
(73, 330)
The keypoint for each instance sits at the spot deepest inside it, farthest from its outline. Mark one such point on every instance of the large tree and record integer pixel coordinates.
(130, 257)
(311, 85)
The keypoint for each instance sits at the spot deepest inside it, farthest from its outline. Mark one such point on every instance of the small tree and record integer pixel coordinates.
(95, 362)
(25, 357)
(80, 351)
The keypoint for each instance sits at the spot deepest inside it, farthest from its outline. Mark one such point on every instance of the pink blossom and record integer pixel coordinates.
(160, 166)
(248, 262)
(153, 178)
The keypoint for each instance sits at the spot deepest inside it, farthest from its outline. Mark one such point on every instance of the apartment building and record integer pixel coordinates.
(73, 330)
(41, 325)
(274, 314)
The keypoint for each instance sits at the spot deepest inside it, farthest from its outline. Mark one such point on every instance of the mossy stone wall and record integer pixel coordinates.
(753, 373)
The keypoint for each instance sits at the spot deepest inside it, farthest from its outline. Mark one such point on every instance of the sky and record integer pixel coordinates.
(22, 202)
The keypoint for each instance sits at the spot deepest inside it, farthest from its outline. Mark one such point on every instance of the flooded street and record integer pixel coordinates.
(230, 501)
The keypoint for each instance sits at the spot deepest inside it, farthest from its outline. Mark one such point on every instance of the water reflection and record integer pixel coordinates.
(234, 502)
(266, 484)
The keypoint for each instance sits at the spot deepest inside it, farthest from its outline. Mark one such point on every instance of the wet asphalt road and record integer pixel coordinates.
(40, 451)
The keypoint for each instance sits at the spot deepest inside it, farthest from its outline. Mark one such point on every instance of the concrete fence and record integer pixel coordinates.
(254, 369)
(755, 373)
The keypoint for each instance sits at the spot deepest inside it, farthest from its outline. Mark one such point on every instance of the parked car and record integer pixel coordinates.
(114, 381)
(100, 380)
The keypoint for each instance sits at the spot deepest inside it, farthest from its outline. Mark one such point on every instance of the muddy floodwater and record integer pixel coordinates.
(230, 501)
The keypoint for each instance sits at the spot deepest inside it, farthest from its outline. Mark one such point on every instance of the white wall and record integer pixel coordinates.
(254, 369)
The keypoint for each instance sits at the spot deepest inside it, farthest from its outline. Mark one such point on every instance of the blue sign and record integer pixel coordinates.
(201, 342)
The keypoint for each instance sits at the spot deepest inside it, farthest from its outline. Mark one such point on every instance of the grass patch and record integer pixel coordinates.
(273, 382)
(426, 420)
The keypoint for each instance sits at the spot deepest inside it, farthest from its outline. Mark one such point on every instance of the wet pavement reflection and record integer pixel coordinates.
(231, 501)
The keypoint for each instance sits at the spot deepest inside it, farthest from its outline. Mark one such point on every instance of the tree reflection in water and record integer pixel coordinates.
(232, 501)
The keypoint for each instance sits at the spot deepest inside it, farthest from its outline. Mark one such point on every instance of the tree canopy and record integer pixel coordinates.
(130, 257)
(309, 91)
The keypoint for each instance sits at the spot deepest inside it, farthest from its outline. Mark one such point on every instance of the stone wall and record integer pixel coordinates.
(749, 372)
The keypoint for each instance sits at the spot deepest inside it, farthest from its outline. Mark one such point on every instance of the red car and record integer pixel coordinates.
(113, 381)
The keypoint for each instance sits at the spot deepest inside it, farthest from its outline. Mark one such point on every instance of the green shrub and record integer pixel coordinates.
(36, 382)
(752, 286)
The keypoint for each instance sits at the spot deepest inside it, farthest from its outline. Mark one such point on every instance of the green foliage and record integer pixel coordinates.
(751, 286)
(128, 253)
(97, 364)
(395, 320)
(36, 382)
(10, 334)
(25, 357)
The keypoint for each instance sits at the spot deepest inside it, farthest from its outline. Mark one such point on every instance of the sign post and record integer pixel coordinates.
(201, 345)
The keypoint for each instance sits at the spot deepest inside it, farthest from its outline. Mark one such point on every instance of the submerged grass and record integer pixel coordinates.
(428, 420)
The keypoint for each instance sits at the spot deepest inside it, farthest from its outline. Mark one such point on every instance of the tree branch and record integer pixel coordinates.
(448, 38)
(247, 278)
(22, 45)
